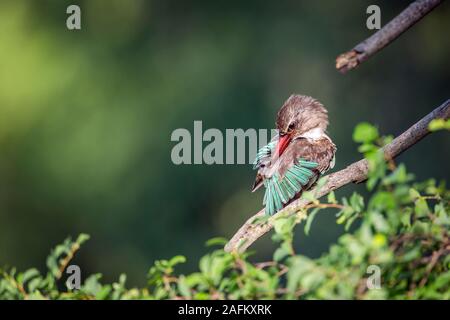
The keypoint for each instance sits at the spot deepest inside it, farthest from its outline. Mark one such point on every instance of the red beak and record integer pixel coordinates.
(283, 142)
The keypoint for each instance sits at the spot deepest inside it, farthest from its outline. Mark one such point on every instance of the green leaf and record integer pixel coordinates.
(350, 221)
(261, 219)
(202, 296)
(365, 132)
(357, 202)
(406, 218)
(204, 264)
(284, 225)
(280, 253)
(379, 222)
(195, 279)
(421, 208)
(34, 284)
(29, 274)
(331, 198)
(92, 285)
(310, 219)
(183, 287)
(177, 260)
(371, 182)
(82, 238)
(218, 241)
(311, 279)
(383, 200)
(103, 293)
(310, 196)
(414, 194)
(379, 240)
(439, 124)
(367, 148)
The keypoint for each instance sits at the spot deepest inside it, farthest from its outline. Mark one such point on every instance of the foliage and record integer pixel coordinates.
(439, 124)
(402, 229)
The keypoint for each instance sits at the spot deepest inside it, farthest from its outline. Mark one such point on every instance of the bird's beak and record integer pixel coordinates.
(283, 142)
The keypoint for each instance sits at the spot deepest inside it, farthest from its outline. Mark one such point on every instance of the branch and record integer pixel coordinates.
(406, 19)
(252, 230)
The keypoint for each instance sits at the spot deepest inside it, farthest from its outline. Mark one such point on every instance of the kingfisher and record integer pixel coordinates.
(297, 156)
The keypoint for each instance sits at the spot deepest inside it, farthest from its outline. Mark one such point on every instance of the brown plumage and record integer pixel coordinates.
(301, 123)
(302, 113)
(320, 151)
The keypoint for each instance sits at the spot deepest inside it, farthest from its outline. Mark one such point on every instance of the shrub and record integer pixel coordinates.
(400, 231)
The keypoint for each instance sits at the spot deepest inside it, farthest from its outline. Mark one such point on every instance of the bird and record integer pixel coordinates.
(297, 156)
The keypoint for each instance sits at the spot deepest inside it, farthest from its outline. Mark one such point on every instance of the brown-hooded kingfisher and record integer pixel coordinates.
(294, 160)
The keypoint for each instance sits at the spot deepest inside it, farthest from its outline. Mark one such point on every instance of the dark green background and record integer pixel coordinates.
(86, 116)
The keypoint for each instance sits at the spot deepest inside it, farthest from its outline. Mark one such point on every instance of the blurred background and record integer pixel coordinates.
(86, 117)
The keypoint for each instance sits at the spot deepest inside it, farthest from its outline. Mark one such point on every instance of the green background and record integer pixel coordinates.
(86, 116)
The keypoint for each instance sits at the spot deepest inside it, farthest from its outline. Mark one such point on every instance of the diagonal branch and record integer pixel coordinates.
(252, 230)
(406, 19)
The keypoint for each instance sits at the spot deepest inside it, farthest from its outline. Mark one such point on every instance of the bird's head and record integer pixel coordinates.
(300, 116)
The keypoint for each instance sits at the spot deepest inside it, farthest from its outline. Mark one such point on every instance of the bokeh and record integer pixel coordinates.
(86, 117)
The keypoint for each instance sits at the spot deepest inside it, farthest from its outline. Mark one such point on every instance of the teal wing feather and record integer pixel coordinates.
(280, 190)
(264, 152)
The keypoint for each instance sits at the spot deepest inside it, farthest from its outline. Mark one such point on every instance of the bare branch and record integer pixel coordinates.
(406, 19)
(252, 230)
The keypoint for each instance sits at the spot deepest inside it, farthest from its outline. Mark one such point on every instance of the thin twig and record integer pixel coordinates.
(324, 206)
(356, 172)
(16, 284)
(65, 262)
(406, 19)
(443, 251)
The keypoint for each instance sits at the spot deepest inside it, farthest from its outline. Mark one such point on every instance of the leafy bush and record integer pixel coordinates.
(401, 230)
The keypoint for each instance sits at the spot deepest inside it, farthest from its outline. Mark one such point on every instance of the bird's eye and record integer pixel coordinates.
(291, 126)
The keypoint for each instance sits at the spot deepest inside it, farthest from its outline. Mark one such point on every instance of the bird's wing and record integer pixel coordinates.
(296, 170)
(264, 154)
(281, 189)
(262, 160)
(322, 151)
